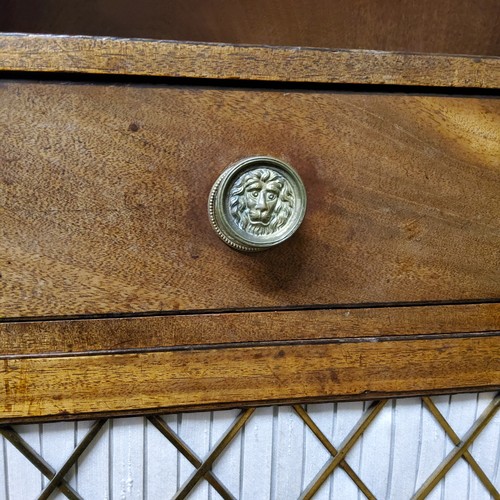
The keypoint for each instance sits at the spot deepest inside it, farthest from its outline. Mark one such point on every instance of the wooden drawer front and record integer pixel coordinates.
(103, 198)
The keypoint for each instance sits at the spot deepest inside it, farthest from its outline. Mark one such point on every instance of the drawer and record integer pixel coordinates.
(117, 295)
(105, 189)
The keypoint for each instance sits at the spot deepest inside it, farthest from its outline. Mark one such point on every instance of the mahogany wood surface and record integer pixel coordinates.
(117, 335)
(446, 26)
(38, 53)
(87, 386)
(117, 297)
(104, 188)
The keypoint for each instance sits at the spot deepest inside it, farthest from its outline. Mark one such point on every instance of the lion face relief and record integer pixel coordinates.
(261, 201)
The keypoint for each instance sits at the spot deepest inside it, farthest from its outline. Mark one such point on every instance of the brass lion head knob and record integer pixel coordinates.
(257, 203)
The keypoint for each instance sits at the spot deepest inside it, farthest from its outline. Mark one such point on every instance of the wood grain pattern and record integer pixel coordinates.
(118, 335)
(103, 193)
(67, 387)
(198, 60)
(446, 26)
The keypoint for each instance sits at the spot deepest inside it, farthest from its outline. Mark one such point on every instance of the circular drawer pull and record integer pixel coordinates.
(257, 203)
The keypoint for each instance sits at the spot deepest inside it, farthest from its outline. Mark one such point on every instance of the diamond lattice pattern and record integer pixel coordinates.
(444, 447)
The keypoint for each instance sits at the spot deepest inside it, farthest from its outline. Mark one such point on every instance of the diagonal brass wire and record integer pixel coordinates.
(162, 426)
(456, 441)
(459, 450)
(37, 460)
(214, 454)
(333, 451)
(82, 446)
(347, 444)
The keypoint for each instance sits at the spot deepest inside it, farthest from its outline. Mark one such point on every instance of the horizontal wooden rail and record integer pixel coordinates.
(86, 368)
(87, 386)
(35, 338)
(100, 55)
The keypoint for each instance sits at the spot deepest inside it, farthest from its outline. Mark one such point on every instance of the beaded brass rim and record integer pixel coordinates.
(257, 203)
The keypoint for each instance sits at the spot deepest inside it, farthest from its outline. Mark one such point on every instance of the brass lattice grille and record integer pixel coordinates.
(339, 456)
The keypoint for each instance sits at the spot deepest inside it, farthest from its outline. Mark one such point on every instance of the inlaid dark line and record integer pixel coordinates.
(243, 310)
(258, 344)
(246, 85)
